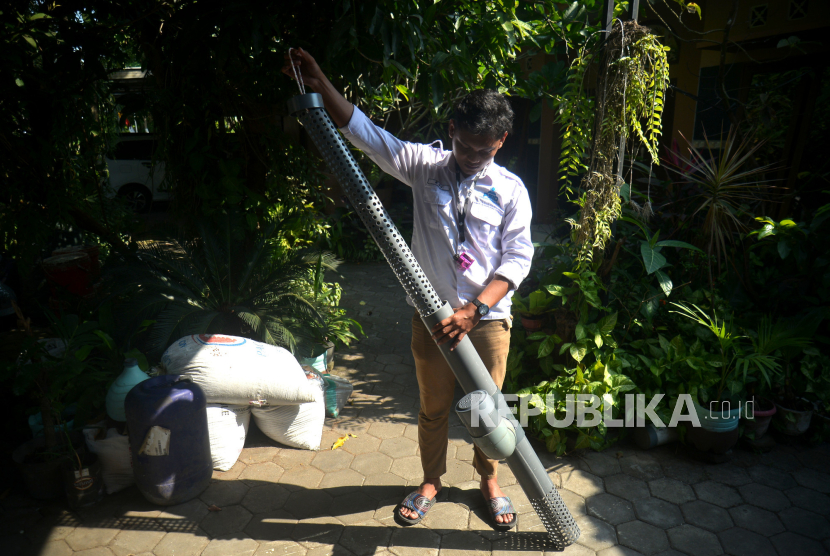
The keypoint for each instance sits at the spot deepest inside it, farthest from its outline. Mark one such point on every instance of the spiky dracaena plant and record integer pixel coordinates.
(721, 180)
(213, 284)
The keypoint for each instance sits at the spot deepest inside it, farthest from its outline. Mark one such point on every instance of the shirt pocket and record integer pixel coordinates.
(487, 217)
(438, 203)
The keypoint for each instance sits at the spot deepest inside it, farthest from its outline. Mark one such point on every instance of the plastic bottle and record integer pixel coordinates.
(129, 377)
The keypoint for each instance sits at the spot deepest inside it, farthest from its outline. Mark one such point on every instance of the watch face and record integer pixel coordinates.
(483, 309)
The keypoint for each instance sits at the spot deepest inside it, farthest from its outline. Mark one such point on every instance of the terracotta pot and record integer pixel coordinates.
(71, 271)
(532, 324)
(92, 251)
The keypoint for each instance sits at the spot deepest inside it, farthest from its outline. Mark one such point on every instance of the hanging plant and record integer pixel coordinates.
(633, 74)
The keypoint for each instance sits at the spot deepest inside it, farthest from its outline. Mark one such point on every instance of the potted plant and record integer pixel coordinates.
(795, 410)
(795, 415)
(334, 327)
(216, 282)
(783, 340)
(738, 361)
(757, 422)
(56, 371)
(83, 478)
(532, 309)
(815, 367)
(788, 339)
(671, 367)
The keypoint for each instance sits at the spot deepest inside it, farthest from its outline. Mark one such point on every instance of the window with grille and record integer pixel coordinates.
(758, 15)
(797, 9)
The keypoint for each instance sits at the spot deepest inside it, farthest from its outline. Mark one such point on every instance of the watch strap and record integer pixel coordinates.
(479, 305)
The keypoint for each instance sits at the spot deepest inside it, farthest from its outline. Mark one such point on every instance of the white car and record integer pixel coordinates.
(134, 174)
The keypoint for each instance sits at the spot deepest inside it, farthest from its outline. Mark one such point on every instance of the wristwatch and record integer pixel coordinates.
(483, 308)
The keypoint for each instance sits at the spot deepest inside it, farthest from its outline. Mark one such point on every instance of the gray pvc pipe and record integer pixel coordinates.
(464, 356)
(531, 475)
(471, 373)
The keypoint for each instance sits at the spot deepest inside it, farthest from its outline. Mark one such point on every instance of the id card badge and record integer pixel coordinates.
(463, 261)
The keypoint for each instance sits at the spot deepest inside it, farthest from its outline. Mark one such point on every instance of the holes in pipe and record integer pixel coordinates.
(400, 258)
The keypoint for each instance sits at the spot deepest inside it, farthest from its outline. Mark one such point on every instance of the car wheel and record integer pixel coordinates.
(137, 197)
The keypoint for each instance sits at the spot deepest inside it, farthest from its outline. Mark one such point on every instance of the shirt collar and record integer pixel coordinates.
(485, 172)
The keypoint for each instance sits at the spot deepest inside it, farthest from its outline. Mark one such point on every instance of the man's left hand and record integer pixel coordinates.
(454, 328)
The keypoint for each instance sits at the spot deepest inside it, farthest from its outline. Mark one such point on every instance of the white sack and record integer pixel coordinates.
(298, 426)
(227, 428)
(234, 370)
(113, 452)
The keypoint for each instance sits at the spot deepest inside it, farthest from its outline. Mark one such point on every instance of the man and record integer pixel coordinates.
(472, 239)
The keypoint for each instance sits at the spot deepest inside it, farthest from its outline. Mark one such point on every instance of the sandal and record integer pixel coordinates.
(501, 506)
(417, 503)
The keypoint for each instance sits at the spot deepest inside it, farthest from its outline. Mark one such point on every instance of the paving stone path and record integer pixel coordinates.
(281, 501)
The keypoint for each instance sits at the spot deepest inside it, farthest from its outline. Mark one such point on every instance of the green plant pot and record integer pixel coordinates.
(649, 436)
(710, 441)
(330, 356)
(318, 363)
(322, 358)
(724, 420)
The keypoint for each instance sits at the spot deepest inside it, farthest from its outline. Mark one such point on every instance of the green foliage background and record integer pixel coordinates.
(216, 97)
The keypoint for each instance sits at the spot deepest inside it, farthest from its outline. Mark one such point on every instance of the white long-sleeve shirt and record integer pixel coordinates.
(497, 224)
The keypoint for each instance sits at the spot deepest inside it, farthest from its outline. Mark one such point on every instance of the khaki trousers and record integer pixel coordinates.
(436, 383)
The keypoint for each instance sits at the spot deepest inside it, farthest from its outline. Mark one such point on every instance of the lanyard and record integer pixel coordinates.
(462, 212)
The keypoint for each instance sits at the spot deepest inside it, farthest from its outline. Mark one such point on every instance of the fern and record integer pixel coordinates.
(628, 106)
(576, 111)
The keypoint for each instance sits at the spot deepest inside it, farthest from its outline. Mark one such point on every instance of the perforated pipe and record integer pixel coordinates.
(309, 109)
(463, 360)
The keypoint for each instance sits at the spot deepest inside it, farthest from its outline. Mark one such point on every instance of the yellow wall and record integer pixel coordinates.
(699, 46)
(703, 53)
(716, 12)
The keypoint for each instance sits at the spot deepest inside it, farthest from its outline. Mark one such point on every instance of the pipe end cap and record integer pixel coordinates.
(304, 102)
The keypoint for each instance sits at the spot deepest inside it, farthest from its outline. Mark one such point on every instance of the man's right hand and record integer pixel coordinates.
(337, 106)
(307, 66)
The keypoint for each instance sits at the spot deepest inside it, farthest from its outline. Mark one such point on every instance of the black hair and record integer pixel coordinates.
(484, 112)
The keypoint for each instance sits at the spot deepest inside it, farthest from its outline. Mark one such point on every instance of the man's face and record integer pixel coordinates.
(472, 152)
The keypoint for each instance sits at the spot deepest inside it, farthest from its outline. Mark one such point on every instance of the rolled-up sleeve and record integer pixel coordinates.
(395, 157)
(517, 246)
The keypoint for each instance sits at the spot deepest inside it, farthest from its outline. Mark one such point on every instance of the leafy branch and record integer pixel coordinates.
(634, 74)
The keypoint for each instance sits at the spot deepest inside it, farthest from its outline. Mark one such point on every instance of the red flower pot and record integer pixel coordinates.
(532, 324)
